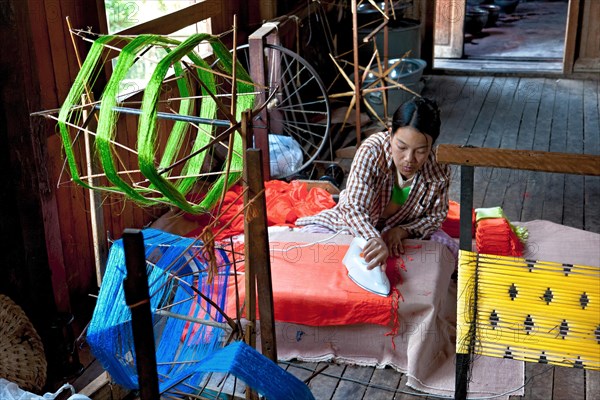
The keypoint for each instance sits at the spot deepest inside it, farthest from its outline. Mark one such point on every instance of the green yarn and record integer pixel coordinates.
(68, 111)
(177, 135)
(147, 129)
(105, 133)
(244, 102)
(168, 192)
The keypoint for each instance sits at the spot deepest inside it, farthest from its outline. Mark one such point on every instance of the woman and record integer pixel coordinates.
(396, 189)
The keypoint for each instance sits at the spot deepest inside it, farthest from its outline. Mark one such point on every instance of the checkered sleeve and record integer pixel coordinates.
(361, 192)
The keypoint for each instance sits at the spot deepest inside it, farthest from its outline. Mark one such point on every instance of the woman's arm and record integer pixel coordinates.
(361, 191)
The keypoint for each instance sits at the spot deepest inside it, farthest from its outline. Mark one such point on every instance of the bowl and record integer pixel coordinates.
(493, 14)
(475, 20)
(408, 73)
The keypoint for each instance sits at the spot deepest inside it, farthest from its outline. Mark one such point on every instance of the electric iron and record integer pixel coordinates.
(373, 280)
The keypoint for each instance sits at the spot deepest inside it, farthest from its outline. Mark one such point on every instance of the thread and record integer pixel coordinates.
(160, 188)
(529, 310)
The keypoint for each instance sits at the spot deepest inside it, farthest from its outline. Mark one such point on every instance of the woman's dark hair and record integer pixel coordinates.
(419, 113)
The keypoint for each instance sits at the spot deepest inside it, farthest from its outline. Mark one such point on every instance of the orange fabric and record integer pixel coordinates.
(311, 287)
(495, 236)
(451, 224)
(286, 202)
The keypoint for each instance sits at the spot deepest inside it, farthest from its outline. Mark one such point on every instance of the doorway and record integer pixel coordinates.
(501, 35)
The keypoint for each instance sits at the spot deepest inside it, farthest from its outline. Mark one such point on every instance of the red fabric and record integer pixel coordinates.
(311, 287)
(495, 236)
(451, 224)
(286, 202)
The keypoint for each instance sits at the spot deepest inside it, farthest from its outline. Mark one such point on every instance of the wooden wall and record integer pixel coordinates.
(46, 257)
(37, 67)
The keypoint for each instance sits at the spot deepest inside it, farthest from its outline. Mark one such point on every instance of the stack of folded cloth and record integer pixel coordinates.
(496, 235)
(451, 224)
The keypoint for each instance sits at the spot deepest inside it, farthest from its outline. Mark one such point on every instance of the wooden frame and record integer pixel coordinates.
(571, 36)
(579, 164)
(468, 158)
(178, 20)
(449, 28)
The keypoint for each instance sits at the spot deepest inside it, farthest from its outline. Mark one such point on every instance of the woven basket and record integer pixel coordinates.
(22, 358)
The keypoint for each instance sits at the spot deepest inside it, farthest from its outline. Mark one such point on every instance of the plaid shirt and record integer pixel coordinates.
(369, 190)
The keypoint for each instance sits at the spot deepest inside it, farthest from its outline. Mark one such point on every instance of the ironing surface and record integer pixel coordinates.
(311, 286)
(424, 347)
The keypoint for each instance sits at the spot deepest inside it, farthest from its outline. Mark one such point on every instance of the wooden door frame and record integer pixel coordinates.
(453, 12)
(571, 36)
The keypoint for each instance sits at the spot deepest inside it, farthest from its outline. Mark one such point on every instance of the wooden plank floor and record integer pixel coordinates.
(514, 113)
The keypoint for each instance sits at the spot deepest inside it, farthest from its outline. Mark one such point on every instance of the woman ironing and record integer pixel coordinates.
(395, 190)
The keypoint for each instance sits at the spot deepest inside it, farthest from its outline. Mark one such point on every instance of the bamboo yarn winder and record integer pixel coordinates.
(523, 309)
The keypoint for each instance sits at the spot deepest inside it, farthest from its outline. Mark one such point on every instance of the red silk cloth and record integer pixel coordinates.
(286, 202)
(451, 224)
(311, 287)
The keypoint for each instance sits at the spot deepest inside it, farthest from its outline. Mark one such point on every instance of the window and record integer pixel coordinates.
(123, 14)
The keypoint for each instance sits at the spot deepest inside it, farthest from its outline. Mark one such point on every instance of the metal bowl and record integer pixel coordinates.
(475, 20)
(493, 14)
(507, 6)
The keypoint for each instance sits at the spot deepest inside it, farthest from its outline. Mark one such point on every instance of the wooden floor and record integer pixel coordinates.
(515, 113)
(525, 113)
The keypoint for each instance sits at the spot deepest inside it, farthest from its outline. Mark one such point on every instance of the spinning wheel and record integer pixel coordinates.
(298, 115)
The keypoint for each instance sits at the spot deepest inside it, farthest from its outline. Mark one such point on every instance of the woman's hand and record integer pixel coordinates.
(393, 240)
(375, 253)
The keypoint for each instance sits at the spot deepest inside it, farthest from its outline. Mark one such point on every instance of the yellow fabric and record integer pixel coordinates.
(542, 311)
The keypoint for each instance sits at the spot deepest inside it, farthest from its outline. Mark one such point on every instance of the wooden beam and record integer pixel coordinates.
(571, 36)
(137, 297)
(178, 20)
(256, 43)
(268, 9)
(257, 251)
(578, 164)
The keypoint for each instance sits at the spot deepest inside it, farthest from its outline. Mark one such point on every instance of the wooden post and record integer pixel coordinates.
(571, 37)
(257, 251)
(268, 9)
(357, 80)
(466, 207)
(256, 43)
(96, 210)
(249, 275)
(138, 300)
(463, 361)
(386, 52)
